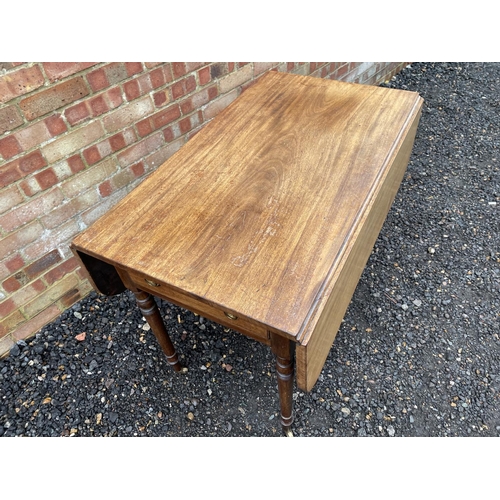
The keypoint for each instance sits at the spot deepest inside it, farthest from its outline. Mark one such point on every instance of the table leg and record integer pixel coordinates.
(149, 309)
(283, 350)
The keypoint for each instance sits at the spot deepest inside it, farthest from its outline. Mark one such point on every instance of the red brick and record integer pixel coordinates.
(62, 269)
(133, 68)
(132, 90)
(10, 197)
(42, 264)
(331, 67)
(98, 106)
(11, 285)
(114, 97)
(166, 116)
(55, 125)
(212, 92)
(9, 147)
(144, 127)
(92, 155)
(168, 134)
(38, 285)
(32, 162)
(33, 135)
(105, 189)
(77, 113)
(186, 106)
(76, 164)
(98, 80)
(342, 70)
(9, 173)
(6, 307)
(137, 169)
(178, 69)
(57, 70)
(117, 142)
(53, 98)
(46, 178)
(14, 263)
(183, 87)
(157, 78)
(204, 75)
(16, 83)
(10, 118)
(161, 98)
(152, 64)
(185, 125)
(138, 87)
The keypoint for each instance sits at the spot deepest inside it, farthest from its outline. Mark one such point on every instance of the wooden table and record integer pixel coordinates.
(264, 220)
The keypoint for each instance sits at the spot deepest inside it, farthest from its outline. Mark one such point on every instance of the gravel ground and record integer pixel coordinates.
(418, 353)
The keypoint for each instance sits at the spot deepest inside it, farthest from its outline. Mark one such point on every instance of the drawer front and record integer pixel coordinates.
(230, 319)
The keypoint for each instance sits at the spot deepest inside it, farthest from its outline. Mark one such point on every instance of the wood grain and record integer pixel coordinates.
(270, 207)
(321, 330)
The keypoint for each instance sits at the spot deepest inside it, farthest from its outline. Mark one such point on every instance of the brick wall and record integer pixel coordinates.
(76, 137)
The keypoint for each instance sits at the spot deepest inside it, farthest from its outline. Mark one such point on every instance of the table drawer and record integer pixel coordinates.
(228, 318)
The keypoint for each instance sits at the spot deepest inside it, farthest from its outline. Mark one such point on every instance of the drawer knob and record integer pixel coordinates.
(230, 316)
(152, 283)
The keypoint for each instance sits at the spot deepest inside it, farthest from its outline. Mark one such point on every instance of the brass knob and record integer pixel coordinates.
(230, 316)
(152, 283)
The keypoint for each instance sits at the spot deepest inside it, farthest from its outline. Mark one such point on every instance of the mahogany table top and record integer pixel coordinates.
(262, 211)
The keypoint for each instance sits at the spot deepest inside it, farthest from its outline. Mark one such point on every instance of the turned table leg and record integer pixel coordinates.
(149, 309)
(283, 350)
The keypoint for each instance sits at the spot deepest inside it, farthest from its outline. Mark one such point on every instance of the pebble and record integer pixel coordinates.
(15, 350)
